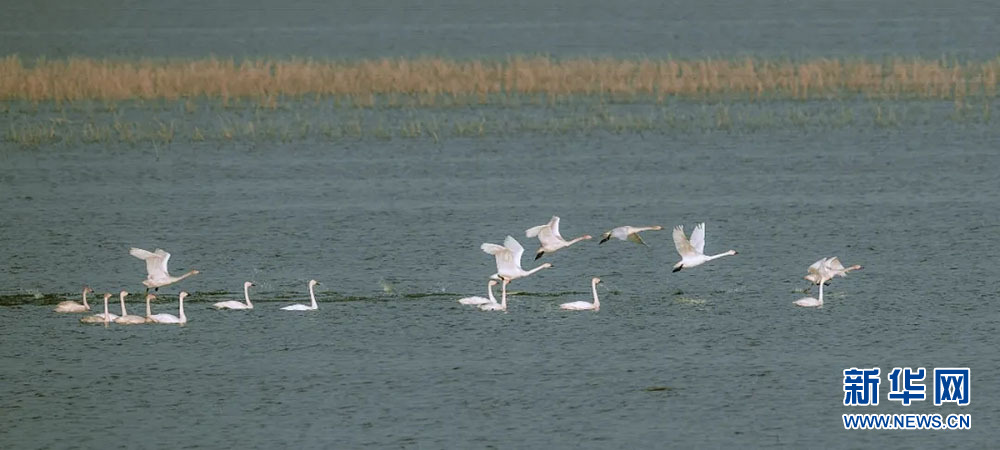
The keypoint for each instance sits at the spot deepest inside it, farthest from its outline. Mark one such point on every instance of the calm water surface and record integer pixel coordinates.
(392, 229)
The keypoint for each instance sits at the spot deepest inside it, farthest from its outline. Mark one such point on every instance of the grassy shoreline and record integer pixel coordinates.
(430, 82)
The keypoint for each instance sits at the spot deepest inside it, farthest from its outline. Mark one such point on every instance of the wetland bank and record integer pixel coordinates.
(384, 194)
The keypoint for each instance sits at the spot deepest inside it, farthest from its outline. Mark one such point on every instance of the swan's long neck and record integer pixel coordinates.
(107, 317)
(149, 312)
(597, 302)
(180, 312)
(503, 296)
(489, 290)
(536, 269)
(124, 313)
(85, 305)
(312, 297)
(821, 294)
(709, 258)
(246, 295)
(576, 240)
(185, 276)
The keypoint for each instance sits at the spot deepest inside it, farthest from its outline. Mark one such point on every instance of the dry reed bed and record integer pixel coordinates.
(428, 81)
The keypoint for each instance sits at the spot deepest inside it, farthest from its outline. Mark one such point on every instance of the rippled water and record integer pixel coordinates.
(392, 229)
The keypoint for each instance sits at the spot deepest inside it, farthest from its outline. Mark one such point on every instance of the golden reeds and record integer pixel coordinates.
(443, 82)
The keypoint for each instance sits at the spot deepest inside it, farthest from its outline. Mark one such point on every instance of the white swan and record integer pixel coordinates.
(170, 318)
(149, 312)
(628, 233)
(826, 268)
(585, 306)
(301, 307)
(101, 318)
(693, 252)
(74, 307)
(233, 304)
(157, 275)
(508, 258)
(502, 306)
(479, 300)
(548, 235)
(125, 318)
(809, 302)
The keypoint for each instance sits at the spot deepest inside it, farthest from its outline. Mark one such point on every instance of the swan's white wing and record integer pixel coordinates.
(554, 227)
(533, 231)
(698, 238)
(684, 247)
(634, 237)
(492, 248)
(834, 264)
(156, 263)
(515, 248)
(140, 253)
(164, 256)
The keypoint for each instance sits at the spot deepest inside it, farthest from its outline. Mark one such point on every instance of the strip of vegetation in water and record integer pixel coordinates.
(427, 82)
(165, 126)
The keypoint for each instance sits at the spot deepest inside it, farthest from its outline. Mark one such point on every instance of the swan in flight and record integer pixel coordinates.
(301, 307)
(585, 306)
(693, 252)
(125, 318)
(548, 235)
(233, 304)
(825, 269)
(502, 306)
(479, 300)
(508, 257)
(156, 268)
(101, 318)
(74, 307)
(170, 318)
(628, 233)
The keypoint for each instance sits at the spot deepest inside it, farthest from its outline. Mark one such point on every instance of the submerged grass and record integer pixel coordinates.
(439, 82)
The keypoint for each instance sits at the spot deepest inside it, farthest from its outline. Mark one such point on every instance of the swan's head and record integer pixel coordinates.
(107, 295)
(657, 227)
(595, 280)
(313, 283)
(587, 236)
(733, 252)
(88, 290)
(495, 277)
(248, 284)
(855, 267)
(547, 265)
(123, 294)
(183, 295)
(195, 272)
(492, 282)
(150, 297)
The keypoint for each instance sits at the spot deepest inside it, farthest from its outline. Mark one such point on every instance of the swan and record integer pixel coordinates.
(301, 307)
(809, 302)
(125, 318)
(548, 235)
(479, 300)
(628, 233)
(156, 268)
(502, 306)
(693, 252)
(101, 318)
(826, 268)
(74, 307)
(233, 304)
(585, 306)
(508, 257)
(149, 312)
(170, 318)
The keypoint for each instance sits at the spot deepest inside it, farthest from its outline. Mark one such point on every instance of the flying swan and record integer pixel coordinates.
(628, 233)
(157, 275)
(693, 252)
(548, 235)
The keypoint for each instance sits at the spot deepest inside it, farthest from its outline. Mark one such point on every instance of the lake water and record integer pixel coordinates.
(715, 356)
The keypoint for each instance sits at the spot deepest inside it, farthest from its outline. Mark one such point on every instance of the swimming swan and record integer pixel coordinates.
(156, 268)
(548, 235)
(628, 233)
(502, 306)
(170, 318)
(479, 300)
(585, 306)
(301, 307)
(125, 318)
(100, 318)
(809, 302)
(233, 304)
(74, 307)
(693, 252)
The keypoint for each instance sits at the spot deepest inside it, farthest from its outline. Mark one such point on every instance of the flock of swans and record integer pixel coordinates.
(508, 261)
(691, 250)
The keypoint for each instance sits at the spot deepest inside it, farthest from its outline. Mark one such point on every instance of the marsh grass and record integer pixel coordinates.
(443, 83)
